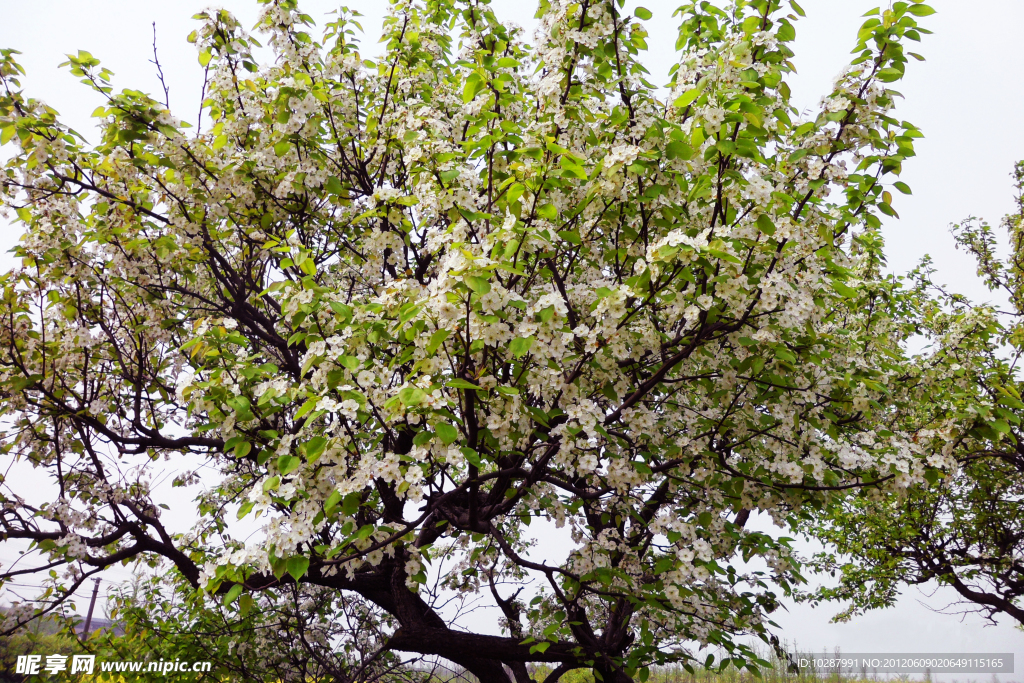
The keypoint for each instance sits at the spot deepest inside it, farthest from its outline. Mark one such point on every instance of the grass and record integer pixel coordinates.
(777, 673)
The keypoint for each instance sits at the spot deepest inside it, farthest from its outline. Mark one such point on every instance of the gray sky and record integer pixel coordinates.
(965, 98)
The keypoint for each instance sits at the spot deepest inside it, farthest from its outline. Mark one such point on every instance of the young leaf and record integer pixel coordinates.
(520, 346)
(297, 566)
(288, 464)
(436, 340)
(447, 433)
(478, 284)
(686, 98)
(474, 83)
(411, 396)
(461, 384)
(547, 212)
(232, 594)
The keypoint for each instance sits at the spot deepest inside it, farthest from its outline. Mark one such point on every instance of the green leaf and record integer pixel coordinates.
(408, 313)
(844, 290)
(677, 149)
(436, 340)
(412, 396)
(765, 225)
(306, 408)
(782, 353)
(902, 187)
(334, 185)
(724, 255)
(232, 594)
(447, 433)
(642, 13)
(686, 98)
(514, 193)
(332, 501)
(241, 406)
(474, 83)
(288, 464)
(570, 236)
(245, 604)
(1009, 399)
(472, 457)
(558, 149)
(281, 148)
(888, 75)
(351, 504)
(920, 10)
(341, 309)
(538, 415)
(461, 384)
(520, 346)
(7, 133)
(278, 566)
(297, 566)
(572, 169)
(478, 284)
(547, 212)
(315, 447)
(244, 509)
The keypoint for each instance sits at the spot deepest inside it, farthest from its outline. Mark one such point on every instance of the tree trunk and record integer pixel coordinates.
(608, 674)
(519, 671)
(486, 670)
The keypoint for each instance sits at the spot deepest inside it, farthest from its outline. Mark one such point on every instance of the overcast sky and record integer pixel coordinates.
(966, 98)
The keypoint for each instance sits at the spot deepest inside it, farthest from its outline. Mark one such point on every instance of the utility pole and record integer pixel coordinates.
(92, 605)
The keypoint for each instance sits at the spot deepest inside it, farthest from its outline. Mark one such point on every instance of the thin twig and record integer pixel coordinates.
(160, 72)
(202, 98)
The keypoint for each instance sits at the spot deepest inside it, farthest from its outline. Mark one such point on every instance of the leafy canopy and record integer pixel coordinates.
(399, 310)
(965, 530)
